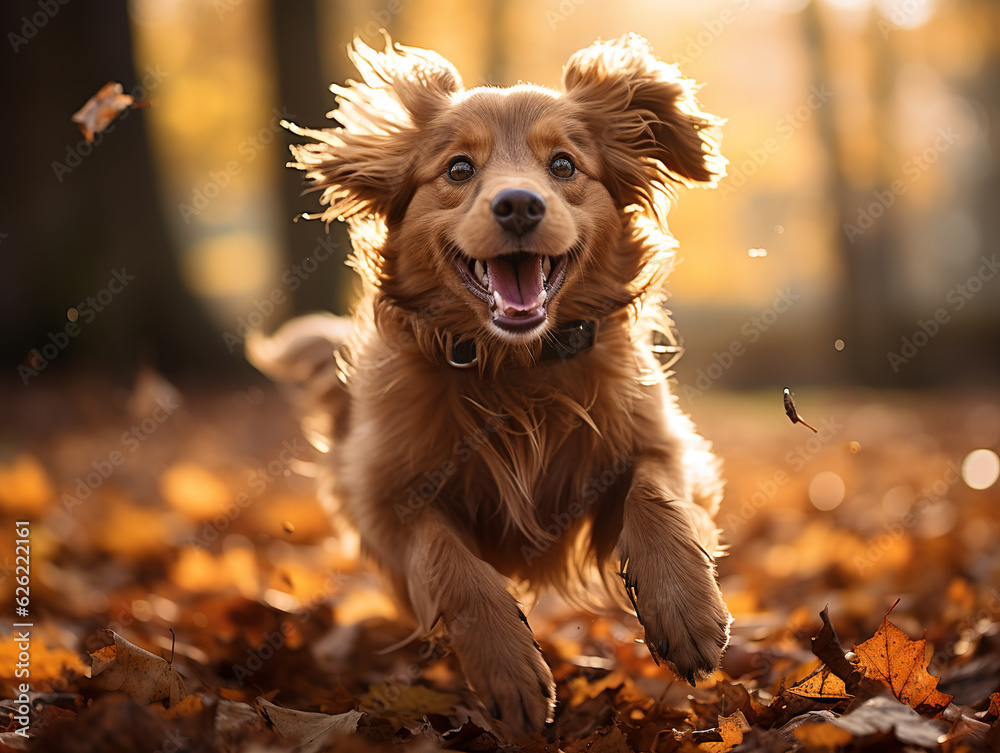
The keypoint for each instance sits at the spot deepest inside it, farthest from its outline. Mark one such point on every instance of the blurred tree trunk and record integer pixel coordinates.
(862, 296)
(74, 212)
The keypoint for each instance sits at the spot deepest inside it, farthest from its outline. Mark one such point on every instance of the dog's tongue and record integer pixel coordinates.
(517, 284)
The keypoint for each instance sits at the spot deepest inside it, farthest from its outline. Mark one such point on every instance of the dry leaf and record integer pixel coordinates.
(899, 663)
(821, 684)
(993, 712)
(885, 714)
(730, 730)
(315, 732)
(827, 648)
(791, 411)
(404, 705)
(98, 112)
(822, 737)
(136, 672)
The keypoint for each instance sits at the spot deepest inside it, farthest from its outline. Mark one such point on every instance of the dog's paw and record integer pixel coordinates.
(685, 620)
(505, 666)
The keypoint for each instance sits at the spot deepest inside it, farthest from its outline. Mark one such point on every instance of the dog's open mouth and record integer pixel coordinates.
(517, 287)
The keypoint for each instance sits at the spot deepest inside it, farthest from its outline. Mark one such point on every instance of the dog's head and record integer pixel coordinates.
(499, 212)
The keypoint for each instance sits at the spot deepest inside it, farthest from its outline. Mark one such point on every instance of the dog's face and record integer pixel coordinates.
(504, 207)
(509, 204)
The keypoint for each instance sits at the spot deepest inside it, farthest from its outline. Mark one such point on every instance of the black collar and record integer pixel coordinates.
(571, 339)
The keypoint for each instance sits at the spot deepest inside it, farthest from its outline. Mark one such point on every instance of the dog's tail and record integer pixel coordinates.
(304, 356)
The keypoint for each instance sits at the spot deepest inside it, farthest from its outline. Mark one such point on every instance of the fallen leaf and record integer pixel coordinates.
(24, 485)
(886, 714)
(402, 705)
(755, 712)
(723, 739)
(821, 684)
(993, 713)
(315, 732)
(136, 672)
(98, 112)
(822, 737)
(827, 648)
(898, 662)
(46, 663)
(605, 740)
(731, 729)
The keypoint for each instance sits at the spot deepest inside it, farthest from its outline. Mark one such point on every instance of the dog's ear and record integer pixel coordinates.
(649, 126)
(363, 167)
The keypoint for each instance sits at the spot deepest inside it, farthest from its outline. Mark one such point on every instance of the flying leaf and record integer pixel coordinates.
(790, 409)
(101, 109)
(136, 672)
(899, 663)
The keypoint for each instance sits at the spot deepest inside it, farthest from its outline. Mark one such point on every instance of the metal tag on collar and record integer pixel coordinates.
(462, 355)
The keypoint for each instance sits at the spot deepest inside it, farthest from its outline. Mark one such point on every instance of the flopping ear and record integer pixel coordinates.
(649, 126)
(362, 167)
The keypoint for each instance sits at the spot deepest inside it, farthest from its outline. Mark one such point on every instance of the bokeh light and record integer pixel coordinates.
(826, 491)
(980, 469)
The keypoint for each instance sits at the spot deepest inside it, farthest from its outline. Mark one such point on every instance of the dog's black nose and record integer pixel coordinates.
(518, 209)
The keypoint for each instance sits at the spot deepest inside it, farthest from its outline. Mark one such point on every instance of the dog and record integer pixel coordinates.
(497, 413)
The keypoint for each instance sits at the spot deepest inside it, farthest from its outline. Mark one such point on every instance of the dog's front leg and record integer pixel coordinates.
(668, 574)
(485, 625)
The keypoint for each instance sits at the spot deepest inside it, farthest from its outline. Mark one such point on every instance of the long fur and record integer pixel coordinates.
(541, 471)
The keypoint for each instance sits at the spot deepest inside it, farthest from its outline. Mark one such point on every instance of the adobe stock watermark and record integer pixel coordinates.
(87, 310)
(913, 169)
(695, 46)
(258, 481)
(972, 623)
(76, 153)
(430, 652)
(563, 521)
(785, 127)
(131, 440)
(273, 642)
(30, 25)
(426, 489)
(957, 298)
(903, 15)
(559, 14)
(382, 17)
(219, 180)
(877, 546)
(292, 279)
(768, 489)
(751, 330)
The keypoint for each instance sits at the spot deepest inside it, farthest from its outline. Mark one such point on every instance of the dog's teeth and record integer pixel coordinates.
(480, 271)
(546, 267)
(498, 300)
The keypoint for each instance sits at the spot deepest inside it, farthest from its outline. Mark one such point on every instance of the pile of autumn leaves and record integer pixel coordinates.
(878, 697)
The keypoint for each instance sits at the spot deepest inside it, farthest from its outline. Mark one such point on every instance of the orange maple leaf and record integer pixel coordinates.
(898, 662)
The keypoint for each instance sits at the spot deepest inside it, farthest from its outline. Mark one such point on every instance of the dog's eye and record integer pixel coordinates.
(461, 169)
(562, 167)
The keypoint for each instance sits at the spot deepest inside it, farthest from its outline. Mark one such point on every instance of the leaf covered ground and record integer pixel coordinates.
(187, 592)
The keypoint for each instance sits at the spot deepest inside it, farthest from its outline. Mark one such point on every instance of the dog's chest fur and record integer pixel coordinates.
(520, 460)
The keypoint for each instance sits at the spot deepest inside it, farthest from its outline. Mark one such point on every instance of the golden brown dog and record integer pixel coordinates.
(498, 411)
